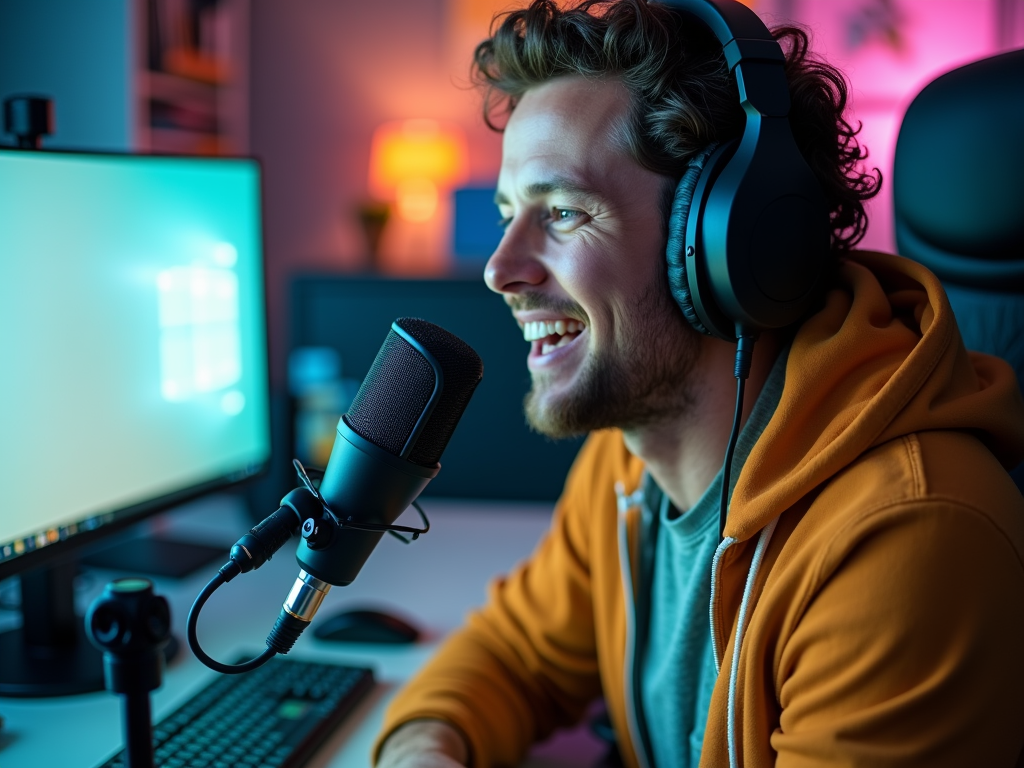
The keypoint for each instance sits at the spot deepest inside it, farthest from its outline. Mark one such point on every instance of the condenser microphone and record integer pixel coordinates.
(386, 450)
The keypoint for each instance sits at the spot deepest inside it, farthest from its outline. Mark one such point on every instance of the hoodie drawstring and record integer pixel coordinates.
(716, 651)
(741, 626)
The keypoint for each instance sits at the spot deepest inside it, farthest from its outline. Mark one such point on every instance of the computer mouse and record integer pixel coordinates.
(366, 625)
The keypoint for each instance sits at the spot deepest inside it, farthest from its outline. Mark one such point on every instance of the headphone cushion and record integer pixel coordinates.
(675, 248)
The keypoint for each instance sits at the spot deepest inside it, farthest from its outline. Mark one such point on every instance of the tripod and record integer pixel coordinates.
(131, 625)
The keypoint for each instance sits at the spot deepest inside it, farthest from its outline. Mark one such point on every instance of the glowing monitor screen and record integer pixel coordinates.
(132, 337)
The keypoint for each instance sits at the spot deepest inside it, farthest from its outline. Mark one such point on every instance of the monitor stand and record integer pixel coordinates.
(50, 654)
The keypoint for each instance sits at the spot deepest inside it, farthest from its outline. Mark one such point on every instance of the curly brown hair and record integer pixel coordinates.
(683, 95)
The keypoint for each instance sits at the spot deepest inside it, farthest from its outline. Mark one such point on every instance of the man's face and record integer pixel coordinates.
(582, 264)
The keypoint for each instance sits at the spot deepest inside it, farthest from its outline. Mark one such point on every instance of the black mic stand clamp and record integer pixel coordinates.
(333, 548)
(131, 625)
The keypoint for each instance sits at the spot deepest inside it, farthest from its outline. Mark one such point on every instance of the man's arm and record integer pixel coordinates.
(520, 667)
(527, 662)
(424, 744)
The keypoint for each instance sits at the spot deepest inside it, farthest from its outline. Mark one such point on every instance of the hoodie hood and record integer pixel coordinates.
(883, 358)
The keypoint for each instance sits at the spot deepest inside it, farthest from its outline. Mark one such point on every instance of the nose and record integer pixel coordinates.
(514, 266)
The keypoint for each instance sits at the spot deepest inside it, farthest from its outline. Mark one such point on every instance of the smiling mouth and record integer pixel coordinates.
(550, 335)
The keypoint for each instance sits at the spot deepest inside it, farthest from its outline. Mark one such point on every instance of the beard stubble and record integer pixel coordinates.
(645, 379)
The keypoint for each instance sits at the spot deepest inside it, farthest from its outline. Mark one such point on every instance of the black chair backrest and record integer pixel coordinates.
(958, 189)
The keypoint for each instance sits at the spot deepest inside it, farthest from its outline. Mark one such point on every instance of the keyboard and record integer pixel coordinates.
(273, 717)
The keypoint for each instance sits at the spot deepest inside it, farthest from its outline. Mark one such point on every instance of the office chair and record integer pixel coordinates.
(958, 189)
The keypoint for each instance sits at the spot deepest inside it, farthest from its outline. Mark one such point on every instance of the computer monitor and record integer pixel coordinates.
(133, 368)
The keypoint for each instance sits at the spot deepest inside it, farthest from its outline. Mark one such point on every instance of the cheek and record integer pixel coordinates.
(613, 281)
(632, 265)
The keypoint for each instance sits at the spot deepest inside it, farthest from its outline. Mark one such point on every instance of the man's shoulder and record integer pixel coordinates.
(924, 476)
(917, 529)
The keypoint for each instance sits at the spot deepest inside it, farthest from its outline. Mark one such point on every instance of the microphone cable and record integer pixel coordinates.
(302, 506)
(250, 552)
(744, 356)
(193, 639)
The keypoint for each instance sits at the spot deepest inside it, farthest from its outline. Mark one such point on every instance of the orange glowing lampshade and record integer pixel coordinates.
(411, 160)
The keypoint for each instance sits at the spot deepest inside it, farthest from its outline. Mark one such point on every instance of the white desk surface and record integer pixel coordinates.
(433, 581)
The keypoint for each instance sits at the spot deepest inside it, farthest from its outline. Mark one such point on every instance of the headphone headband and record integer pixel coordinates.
(743, 36)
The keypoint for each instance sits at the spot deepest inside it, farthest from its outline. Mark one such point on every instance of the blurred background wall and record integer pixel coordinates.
(306, 84)
(325, 73)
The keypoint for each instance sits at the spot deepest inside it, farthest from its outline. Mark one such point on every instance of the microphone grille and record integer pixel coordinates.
(399, 385)
(462, 369)
(392, 396)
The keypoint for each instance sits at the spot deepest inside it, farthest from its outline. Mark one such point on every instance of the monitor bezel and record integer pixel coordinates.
(125, 517)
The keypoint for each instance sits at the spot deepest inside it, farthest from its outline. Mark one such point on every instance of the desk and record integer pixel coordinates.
(434, 581)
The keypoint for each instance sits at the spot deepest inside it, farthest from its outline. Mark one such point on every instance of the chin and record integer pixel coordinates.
(584, 409)
(548, 416)
(625, 396)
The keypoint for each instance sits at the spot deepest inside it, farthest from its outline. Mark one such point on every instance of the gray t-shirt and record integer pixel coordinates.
(678, 672)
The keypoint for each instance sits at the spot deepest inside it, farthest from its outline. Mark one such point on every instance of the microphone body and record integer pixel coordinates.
(387, 449)
(385, 453)
(363, 483)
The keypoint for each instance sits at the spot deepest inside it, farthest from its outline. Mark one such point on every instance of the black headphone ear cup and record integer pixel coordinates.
(675, 248)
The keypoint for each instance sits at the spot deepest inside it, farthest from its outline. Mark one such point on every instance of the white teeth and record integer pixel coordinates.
(541, 329)
(545, 348)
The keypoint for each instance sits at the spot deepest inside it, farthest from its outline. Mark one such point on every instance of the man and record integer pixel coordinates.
(867, 602)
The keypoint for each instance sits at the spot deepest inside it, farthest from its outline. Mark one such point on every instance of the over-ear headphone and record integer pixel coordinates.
(749, 231)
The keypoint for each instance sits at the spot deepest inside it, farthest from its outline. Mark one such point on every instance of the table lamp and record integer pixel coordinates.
(412, 162)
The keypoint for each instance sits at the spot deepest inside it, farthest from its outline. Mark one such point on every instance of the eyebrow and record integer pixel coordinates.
(561, 184)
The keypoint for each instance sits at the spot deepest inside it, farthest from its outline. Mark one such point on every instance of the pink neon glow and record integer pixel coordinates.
(889, 50)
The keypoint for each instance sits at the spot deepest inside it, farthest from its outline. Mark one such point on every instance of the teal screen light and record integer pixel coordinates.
(132, 338)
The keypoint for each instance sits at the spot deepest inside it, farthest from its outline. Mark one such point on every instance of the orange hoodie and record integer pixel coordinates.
(868, 599)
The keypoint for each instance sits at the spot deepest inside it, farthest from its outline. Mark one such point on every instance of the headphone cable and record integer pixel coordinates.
(744, 355)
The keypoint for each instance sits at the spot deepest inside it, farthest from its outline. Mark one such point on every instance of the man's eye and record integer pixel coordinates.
(504, 221)
(567, 216)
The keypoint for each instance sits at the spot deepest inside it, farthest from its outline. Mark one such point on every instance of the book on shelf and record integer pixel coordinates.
(191, 39)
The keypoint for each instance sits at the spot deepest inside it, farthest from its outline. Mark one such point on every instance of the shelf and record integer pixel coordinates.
(167, 87)
(191, 77)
